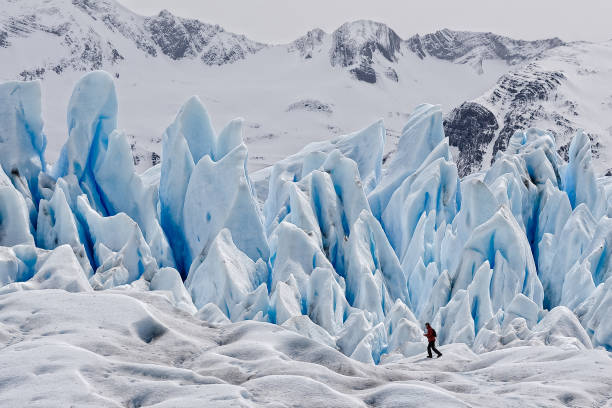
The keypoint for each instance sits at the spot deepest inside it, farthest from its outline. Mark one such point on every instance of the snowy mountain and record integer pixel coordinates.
(314, 271)
(87, 35)
(320, 86)
(93, 35)
(473, 48)
(562, 92)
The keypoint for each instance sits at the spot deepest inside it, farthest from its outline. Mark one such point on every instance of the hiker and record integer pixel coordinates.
(431, 338)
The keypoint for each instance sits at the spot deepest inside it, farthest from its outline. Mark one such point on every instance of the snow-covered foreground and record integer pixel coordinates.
(128, 348)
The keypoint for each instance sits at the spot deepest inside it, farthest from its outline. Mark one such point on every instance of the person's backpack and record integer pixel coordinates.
(434, 332)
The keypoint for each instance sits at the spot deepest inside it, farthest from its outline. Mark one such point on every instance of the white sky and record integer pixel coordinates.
(280, 21)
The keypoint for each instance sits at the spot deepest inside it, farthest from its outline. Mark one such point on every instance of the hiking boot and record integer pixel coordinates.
(439, 355)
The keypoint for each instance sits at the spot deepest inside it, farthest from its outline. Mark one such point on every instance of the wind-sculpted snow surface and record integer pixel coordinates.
(344, 252)
(127, 348)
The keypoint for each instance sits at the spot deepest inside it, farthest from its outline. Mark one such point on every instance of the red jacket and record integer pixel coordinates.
(430, 334)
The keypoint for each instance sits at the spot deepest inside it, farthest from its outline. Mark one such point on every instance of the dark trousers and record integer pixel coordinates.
(432, 346)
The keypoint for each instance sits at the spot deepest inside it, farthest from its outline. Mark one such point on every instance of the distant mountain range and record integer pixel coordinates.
(91, 32)
(318, 86)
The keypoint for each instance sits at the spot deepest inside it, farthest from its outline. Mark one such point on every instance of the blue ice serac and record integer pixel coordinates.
(328, 243)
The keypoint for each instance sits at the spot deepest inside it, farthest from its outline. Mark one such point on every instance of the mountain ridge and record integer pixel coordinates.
(354, 43)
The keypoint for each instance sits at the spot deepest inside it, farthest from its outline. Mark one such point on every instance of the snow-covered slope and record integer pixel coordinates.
(317, 87)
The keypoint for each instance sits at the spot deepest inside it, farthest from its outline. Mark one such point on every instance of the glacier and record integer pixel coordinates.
(328, 243)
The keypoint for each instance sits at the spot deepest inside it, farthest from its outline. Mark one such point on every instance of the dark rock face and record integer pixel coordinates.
(116, 56)
(170, 35)
(415, 44)
(30, 75)
(467, 46)
(521, 99)
(217, 54)
(92, 53)
(155, 159)
(184, 38)
(520, 93)
(307, 44)
(22, 26)
(470, 127)
(4, 39)
(391, 74)
(364, 73)
(311, 105)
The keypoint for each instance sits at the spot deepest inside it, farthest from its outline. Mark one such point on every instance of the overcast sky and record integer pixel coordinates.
(279, 21)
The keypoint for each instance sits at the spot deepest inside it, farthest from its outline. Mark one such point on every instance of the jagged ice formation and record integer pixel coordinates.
(344, 251)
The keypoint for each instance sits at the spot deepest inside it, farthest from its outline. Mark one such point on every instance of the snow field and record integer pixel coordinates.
(129, 348)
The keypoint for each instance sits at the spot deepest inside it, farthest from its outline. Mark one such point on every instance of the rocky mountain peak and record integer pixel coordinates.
(470, 47)
(172, 36)
(91, 35)
(306, 44)
(355, 45)
(356, 42)
(183, 38)
(520, 99)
